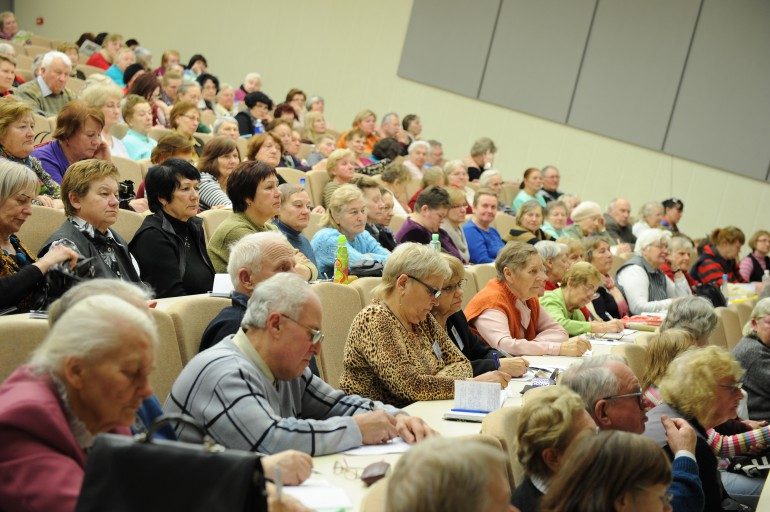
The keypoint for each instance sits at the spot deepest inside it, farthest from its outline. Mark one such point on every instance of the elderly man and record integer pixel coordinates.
(266, 397)
(617, 221)
(390, 126)
(48, 93)
(613, 398)
(436, 154)
(551, 179)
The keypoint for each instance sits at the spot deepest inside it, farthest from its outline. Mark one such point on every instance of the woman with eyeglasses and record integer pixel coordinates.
(449, 312)
(184, 119)
(577, 290)
(396, 350)
(753, 352)
(703, 387)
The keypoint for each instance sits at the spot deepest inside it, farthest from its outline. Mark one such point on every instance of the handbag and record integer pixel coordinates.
(366, 268)
(141, 473)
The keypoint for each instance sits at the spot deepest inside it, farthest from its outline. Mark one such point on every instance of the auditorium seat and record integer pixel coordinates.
(20, 336)
(316, 180)
(75, 85)
(469, 289)
(503, 223)
(313, 225)
(743, 311)
(212, 219)
(128, 223)
(502, 424)
(482, 273)
(191, 316)
(292, 176)
(158, 132)
(128, 170)
(39, 226)
(634, 354)
(89, 70)
(718, 337)
(364, 287)
(396, 222)
(731, 325)
(42, 125)
(33, 50)
(168, 360)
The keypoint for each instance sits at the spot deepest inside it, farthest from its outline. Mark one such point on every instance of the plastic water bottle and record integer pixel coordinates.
(724, 287)
(341, 268)
(435, 243)
(302, 182)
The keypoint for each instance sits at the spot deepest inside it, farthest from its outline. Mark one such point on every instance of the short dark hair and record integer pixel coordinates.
(244, 180)
(284, 107)
(205, 77)
(408, 120)
(162, 180)
(144, 85)
(388, 148)
(131, 70)
(434, 198)
(195, 58)
(673, 203)
(255, 97)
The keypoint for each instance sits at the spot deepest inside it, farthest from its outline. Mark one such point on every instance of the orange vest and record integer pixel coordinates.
(497, 295)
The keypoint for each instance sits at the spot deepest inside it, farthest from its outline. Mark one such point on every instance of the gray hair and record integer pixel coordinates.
(90, 328)
(434, 143)
(412, 259)
(762, 309)
(549, 250)
(649, 208)
(680, 243)
(387, 117)
(592, 379)
(187, 85)
(547, 167)
(15, 178)
(425, 477)
(418, 144)
(693, 314)
(247, 252)
(51, 56)
(251, 75)
(284, 293)
(143, 56)
(482, 145)
(650, 237)
(7, 49)
(514, 255)
(222, 120)
(96, 95)
(487, 175)
(313, 99)
(451, 165)
(135, 294)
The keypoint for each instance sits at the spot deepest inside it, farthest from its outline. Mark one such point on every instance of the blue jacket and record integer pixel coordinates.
(483, 246)
(364, 246)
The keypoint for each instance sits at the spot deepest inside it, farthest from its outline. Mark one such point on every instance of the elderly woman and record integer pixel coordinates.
(645, 286)
(266, 148)
(340, 166)
(564, 304)
(530, 185)
(415, 160)
(484, 242)
(366, 121)
(678, 262)
(225, 103)
(454, 220)
(148, 87)
(754, 266)
(78, 136)
(17, 141)
(529, 220)
(431, 208)
(220, 157)
(575, 252)
(294, 216)
(506, 312)
(172, 145)
(138, 115)
(613, 471)
(694, 315)
(90, 192)
(22, 279)
(107, 54)
(549, 423)
(457, 177)
(448, 312)
(88, 376)
(395, 178)
(185, 118)
(7, 75)
(315, 126)
(324, 147)
(433, 177)
(753, 353)
(554, 256)
(169, 246)
(396, 351)
(719, 257)
(226, 127)
(345, 215)
(587, 221)
(701, 386)
(107, 99)
(555, 219)
(482, 157)
(493, 180)
(609, 302)
(650, 215)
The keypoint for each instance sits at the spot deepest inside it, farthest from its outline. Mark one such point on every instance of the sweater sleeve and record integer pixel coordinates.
(745, 268)
(737, 444)
(366, 246)
(561, 316)
(492, 325)
(158, 263)
(635, 284)
(686, 488)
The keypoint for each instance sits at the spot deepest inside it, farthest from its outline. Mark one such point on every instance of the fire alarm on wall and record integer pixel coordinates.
(39, 20)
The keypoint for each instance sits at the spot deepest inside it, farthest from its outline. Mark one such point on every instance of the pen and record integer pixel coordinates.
(470, 410)
(496, 357)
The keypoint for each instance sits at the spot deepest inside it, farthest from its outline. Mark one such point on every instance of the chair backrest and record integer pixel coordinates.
(634, 354)
(212, 219)
(168, 360)
(24, 61)
(128, 223)
(340, 304)
(743, 311)
(503, 223)
(158, 132)
(128, 169)
(89, 70)
(731, 325)
(502, 424)
(305, 150)
(396, 222)
(482, 273)
(39, 226)
(617, 261)
(42, 125)
(316, 181)
(41, 41)
(312, 226)
(508, 192)
(191, 316)
(718, 337)
(292, 176)
(469, 289)
(20, 336)
(119, 130)
(34, 50)
(75, 84)
(364, 287)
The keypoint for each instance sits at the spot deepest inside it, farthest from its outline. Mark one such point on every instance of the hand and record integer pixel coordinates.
(609, 326)
(302, 266)
(58, 204)
(497, 376)
(320, 210)
(57, 254)
(102, 152)
(295, 466)
(413, 429)
(286, 504)
(623, 249)
(376, 427)
(139, 205)
(754, 424)
(45, 200)
(514, 366)
(574, 347)
(679, 433)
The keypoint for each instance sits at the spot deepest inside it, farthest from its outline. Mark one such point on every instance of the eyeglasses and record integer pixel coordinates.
(192, 118)
(432, 291)
(638, 395)
(316, 336)
(450, 288)
(734, 388)
(342, 468)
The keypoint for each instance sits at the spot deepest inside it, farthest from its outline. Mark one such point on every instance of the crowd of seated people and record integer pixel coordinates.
(569, 270)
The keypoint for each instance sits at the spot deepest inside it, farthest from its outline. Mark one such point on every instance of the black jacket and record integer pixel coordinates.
(481, 355)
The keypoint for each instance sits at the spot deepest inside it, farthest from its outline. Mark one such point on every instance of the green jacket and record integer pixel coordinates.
(574, 322)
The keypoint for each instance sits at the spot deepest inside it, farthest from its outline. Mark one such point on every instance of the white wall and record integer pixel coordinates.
(348, 52)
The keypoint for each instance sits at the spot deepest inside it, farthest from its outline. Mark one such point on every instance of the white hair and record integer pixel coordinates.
(284, 293)
(51, 56)
(549, 250)
(7, 49)
(90, 328)
(487, 175)
(418, 143)
(251, 76)
(649, 237)
(136, 294)
(247, 252)
(222, 120)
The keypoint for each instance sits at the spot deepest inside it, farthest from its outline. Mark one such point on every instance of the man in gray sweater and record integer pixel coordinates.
(254, 391)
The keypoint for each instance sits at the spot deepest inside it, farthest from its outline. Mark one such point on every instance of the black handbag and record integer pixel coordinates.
(128, 474)
(367, 268)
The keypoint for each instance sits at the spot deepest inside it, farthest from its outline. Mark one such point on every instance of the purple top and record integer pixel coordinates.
(53, 160)
(412, 232)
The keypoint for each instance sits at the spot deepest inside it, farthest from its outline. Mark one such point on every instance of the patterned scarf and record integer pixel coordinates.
(48, 187)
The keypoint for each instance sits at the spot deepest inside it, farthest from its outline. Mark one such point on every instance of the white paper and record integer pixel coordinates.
(529, 375)
(317, 493)
(477, 396)
(395, 445)
(223, 285)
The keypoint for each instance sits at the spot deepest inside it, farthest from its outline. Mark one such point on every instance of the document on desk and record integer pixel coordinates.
(395, 445)
(319, 494)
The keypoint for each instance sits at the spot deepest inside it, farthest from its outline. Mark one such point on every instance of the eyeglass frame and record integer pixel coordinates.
(431, 291)
(451, 288)
(316, 335)
(638, 394)
(738, 386)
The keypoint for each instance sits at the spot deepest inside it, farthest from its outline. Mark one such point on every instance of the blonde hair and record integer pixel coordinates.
(361, 116)
(546, 421)
(310, 133)
(455, 265)
(335, 157)
(412, 259)
(79, 177)
(755, 237)
(97, 95)
(456, 196)
(11, 110)
(432, 176)
(662, 348)
(582, 273)
(573, 245)
(341, 197)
